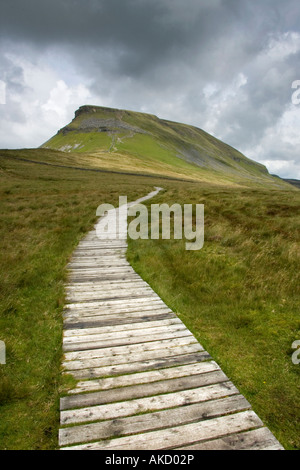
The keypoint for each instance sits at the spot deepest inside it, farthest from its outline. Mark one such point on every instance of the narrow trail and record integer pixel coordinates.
(144, 381)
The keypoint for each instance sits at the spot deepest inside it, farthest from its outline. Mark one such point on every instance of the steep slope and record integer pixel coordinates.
(119, 139)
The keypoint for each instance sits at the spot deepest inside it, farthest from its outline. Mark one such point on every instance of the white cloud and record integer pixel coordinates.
(282, 46)
(62, 101)
(43, 102)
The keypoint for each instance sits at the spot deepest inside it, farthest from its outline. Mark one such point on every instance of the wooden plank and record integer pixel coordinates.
(142, 390)
(114, 291)
(108, 295)
(137, 316)
(73, 266)
(104, 267)
(133, 357)
(100, 321)
(112, 316)
(88, 311)
(92, 316)
(105, 251)
(119, 328)
(126, 341)
(138, 366)
(124, 283)
(91, 335)
(152, 421)
(114, 306)
(170, 330)
(258, 439)
(100, 278)
(131, 349)
(144, 377)
(188, 433)
(144, 405)
(114, 302)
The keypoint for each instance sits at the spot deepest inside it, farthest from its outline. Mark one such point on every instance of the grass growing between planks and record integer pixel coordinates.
(240, 294)
(44, 213)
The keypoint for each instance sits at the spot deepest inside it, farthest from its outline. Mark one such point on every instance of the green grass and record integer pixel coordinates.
(44, 213)
(166, 146)
(81, 142)
(240, 294)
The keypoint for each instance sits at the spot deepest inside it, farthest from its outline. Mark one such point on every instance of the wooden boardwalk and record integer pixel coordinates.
(144, 381)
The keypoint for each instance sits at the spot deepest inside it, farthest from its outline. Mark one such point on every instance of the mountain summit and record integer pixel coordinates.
(122, 139)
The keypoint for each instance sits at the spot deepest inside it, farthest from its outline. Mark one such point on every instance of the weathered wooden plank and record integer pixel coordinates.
(94, 316)
(127, 334)
(114, 291)
(100, 321)
(125, 341)
(107, 267)
(188, 433)
(144, 405)
(152, 421)
(142, 390)
(138, 366)
(119, 328)
(257, 439)
(96, 278)
(88, 311)
(91, 335)
(110, 315)
(114, 302)
(133, 357)
(103, 267)
(82, 280)
(108, 295)
(144, 377)
(124, 283)
(104, 252)
(131, 349)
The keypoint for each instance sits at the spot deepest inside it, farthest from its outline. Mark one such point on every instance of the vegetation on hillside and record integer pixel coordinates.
(239, 295)
(119, 139)
(45, 211)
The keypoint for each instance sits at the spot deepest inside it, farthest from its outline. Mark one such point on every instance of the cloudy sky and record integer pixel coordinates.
(226, 66)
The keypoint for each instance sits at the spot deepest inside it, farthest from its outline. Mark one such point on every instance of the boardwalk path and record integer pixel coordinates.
(144, 381)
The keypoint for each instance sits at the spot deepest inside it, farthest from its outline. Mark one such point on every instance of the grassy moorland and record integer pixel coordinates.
(240, 293)
(44, 213)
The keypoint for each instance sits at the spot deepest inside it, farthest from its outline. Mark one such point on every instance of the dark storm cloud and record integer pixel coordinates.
(135, 37)
(225, 65)
(141, 32)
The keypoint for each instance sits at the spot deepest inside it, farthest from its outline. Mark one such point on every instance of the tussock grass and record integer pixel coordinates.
(240, 294)
(44, 213)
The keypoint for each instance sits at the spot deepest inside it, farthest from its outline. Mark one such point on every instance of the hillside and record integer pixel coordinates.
(293, 182)
(126, 140)
(239, 295)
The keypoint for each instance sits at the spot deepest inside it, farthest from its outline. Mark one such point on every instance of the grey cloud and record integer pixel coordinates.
(159, 55)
